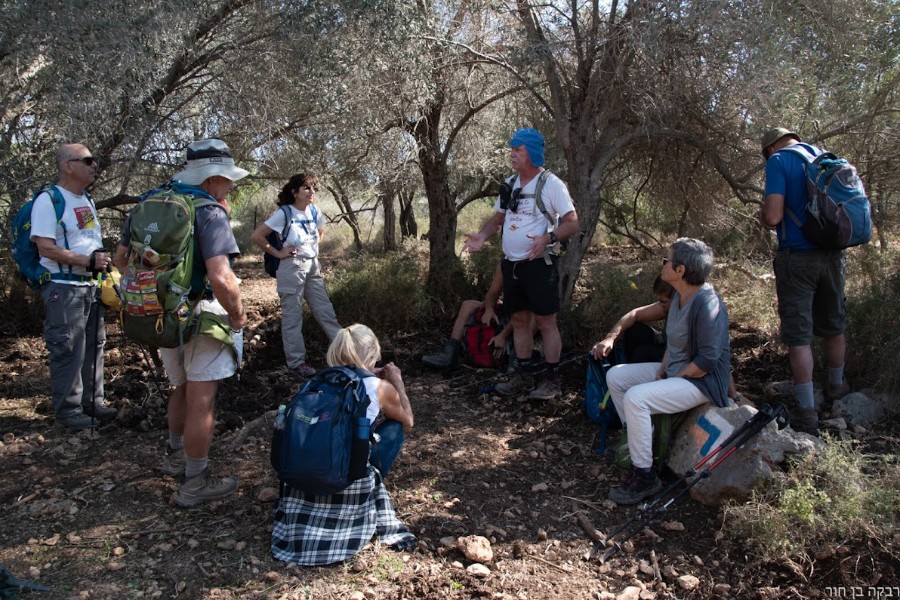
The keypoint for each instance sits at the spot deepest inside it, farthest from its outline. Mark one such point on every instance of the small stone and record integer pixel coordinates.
(273, 576)
(267, 494)
(540, 487)
(180, 586)
(52, 540)
(632, 592)
(357, 595)
(541, 535)
(688, 582)
(227, 544)
(114, 566)
(239, 547)
(722, 589)
(34, 572)
(192, 543)
(672, 526)
(118, 551)
(478, 570)
(456, 564)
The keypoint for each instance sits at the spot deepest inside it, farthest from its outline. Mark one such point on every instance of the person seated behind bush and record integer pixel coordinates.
(641, 342)
(324, 529)
(493, 312)
(695, 369)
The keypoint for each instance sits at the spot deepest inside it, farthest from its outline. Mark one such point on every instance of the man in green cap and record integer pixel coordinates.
(809, 280)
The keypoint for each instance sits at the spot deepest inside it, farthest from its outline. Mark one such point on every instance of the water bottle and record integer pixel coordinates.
(363, 428)
(359, 454)
(279, 418)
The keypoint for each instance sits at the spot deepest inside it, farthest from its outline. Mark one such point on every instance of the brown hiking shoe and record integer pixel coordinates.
(836, 392)
(641, 484)
(805, 420)
(173, 462)
(548, 389)
(518, 382)
(204, 488)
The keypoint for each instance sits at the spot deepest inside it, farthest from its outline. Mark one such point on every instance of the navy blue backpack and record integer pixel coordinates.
(598, 404)
(317, 451)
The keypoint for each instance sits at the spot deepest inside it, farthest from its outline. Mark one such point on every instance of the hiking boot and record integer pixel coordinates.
(204, 488)
(77, 422)
(805, 420)
(445, 358)
(173, 462)
(100, 411)
(304, 370)
(517, 382)
(836, 392)
(642, 483)
(548, 389)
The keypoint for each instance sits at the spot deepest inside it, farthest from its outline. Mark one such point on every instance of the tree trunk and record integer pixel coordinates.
(389, 235)
(408, 226)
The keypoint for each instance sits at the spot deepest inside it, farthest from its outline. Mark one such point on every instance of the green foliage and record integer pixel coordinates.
(873, 318)
(385, 292)
(611, 292)
(829, 496)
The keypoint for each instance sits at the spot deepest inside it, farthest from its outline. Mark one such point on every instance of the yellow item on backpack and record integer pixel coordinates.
(108, 286)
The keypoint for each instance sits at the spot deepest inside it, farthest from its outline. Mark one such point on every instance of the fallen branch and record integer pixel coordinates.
(586, 525)
(260, 426)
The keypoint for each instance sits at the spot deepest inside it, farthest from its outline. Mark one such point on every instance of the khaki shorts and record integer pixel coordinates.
(204, 359)
(810, 289)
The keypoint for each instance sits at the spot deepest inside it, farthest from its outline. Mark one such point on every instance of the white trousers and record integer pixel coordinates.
(637, 395)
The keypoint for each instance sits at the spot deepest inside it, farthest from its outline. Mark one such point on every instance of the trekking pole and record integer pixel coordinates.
(654, 509)
(580, 356)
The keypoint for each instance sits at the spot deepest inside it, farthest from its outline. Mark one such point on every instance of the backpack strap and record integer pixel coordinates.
(808, 158)
(287, 222)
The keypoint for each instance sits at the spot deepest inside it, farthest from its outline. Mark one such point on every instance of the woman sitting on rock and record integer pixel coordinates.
(324, 529)
(695, 369)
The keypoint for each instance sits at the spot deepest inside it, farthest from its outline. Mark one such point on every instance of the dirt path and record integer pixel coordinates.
(88, 516)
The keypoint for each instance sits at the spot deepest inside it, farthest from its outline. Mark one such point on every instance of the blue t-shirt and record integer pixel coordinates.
(786, 175)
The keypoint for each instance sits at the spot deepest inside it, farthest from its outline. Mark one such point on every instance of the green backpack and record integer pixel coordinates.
(158, 305)
(664, 428)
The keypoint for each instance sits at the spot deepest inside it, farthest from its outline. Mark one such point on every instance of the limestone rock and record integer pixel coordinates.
(476, 547)
(478, 570)
(708, 426)
(688, 582)
(858, 409)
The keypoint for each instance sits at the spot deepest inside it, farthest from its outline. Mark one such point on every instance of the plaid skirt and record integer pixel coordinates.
(320, 530)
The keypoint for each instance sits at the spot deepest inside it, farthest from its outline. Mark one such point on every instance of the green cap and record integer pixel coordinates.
(775, 134)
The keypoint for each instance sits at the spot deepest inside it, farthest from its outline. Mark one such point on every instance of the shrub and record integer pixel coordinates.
(827, 497)
(610, 292)
(873, 320)
(385, 292)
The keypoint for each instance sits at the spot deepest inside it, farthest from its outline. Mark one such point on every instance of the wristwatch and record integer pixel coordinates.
(553, 238)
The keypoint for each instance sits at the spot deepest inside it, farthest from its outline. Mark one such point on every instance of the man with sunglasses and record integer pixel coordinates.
(531, 237)
(71, 250)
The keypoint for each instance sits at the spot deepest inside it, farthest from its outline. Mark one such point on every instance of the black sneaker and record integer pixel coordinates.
(77, 422)
(100, 411)
(641, 484)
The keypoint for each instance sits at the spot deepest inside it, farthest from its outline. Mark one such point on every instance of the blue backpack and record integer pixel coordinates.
(318, 450)
(270, 263)
(597, 404)
(24, 251)
(838, 214)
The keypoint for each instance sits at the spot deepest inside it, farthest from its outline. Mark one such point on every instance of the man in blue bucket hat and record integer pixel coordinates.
(536, 213)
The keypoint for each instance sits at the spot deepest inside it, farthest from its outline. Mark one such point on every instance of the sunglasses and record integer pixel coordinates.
(514, 199)
(87, 160)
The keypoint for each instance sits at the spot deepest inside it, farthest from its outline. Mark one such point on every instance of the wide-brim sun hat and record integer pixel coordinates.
(773, 135)
(208, 158)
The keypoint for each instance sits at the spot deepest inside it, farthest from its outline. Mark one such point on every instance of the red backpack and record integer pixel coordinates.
(478, 335)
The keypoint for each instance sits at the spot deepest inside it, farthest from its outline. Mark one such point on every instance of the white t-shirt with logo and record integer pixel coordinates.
(528, 219)
(82, 233)
(304, 230)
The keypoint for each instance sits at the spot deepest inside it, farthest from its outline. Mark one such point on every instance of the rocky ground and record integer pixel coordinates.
(88, 515)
